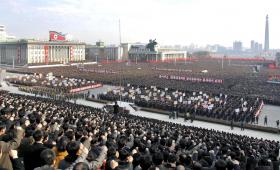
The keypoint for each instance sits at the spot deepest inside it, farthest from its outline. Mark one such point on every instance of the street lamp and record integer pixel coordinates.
(13, 62)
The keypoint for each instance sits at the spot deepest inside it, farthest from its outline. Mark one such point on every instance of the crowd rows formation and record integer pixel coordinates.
(238, 77)
(48, 80)
(200, 103)
(53, 93)
(48, 134)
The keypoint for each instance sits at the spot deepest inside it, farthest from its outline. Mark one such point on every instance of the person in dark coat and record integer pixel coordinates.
(186, 116)
(174, 114)
(242, 125)
(192, 117)
(32, 157)
(116, 108)
(252, 163)
(264, 164)
(16, 161)
(125, 162)
(265, 120)
(48, 157)
(231, 124)
(275, 162)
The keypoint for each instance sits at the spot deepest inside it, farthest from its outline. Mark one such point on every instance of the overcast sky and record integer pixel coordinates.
(171, 22)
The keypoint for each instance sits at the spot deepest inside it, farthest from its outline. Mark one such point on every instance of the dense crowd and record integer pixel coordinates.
(238, 77)
(219, 106)
(55, 94)
(61, 84)
(45, 134)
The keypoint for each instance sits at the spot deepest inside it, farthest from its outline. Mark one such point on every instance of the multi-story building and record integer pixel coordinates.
(3, 35)
(24, 52)
(94, 52)
(252, 46)
(100, 52)
(256, 47)
(126, 51)
(237, 46)
(141, 53)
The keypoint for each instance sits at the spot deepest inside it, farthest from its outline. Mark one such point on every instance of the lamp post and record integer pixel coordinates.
(186, 55)
(13, 62)
(223, 62)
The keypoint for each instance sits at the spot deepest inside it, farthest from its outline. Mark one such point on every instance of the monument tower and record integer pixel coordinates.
(266, 41)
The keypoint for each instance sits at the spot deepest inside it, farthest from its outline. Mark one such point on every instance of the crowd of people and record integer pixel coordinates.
(55, 94)
(222, 106)
(40, 133)
(48, 80)
(238, 77)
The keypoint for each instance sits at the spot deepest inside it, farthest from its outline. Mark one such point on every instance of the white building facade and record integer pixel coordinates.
(141, 53)
(24, 52)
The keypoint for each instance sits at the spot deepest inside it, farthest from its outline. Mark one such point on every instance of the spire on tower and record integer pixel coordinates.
(266, 41)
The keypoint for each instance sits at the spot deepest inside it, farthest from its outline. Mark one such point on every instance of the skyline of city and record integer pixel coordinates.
(61, 16)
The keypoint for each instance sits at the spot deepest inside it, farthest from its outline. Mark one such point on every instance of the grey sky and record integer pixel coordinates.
(170, 21)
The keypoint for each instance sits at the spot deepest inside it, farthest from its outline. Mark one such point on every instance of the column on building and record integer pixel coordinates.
(60, 60)
(50, 52)
(54, 53)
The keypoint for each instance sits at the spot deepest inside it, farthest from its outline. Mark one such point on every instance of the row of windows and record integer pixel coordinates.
(36, 47)
(53, 47)
(41, 59)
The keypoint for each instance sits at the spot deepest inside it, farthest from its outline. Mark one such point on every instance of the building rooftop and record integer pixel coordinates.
(33, 41)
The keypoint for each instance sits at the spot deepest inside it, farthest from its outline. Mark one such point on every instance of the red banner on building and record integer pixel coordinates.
(71, 53)
(56, 36)
(192, 79)
(46, 50)
(18, 54)
(85, 88)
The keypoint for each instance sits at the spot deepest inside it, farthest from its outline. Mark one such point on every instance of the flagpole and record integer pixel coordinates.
(120, 36)
(223, 62)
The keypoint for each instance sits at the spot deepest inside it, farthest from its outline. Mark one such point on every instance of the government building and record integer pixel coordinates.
(28, 52)
(133, 52)
(151, 52)
(58, 50)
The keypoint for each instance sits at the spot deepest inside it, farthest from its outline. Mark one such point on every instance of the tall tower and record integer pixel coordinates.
(266, 41)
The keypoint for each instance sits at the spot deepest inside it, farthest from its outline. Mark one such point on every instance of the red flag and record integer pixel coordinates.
(56, 36)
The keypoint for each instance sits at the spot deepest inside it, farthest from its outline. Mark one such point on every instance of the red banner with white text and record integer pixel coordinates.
(192, 79)
(85, 88)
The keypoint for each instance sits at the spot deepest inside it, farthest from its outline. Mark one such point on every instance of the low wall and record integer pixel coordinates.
(98, 100)
(218, 121)
(200, 118)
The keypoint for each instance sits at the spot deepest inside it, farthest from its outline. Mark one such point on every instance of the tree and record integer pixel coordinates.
(201, 54)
